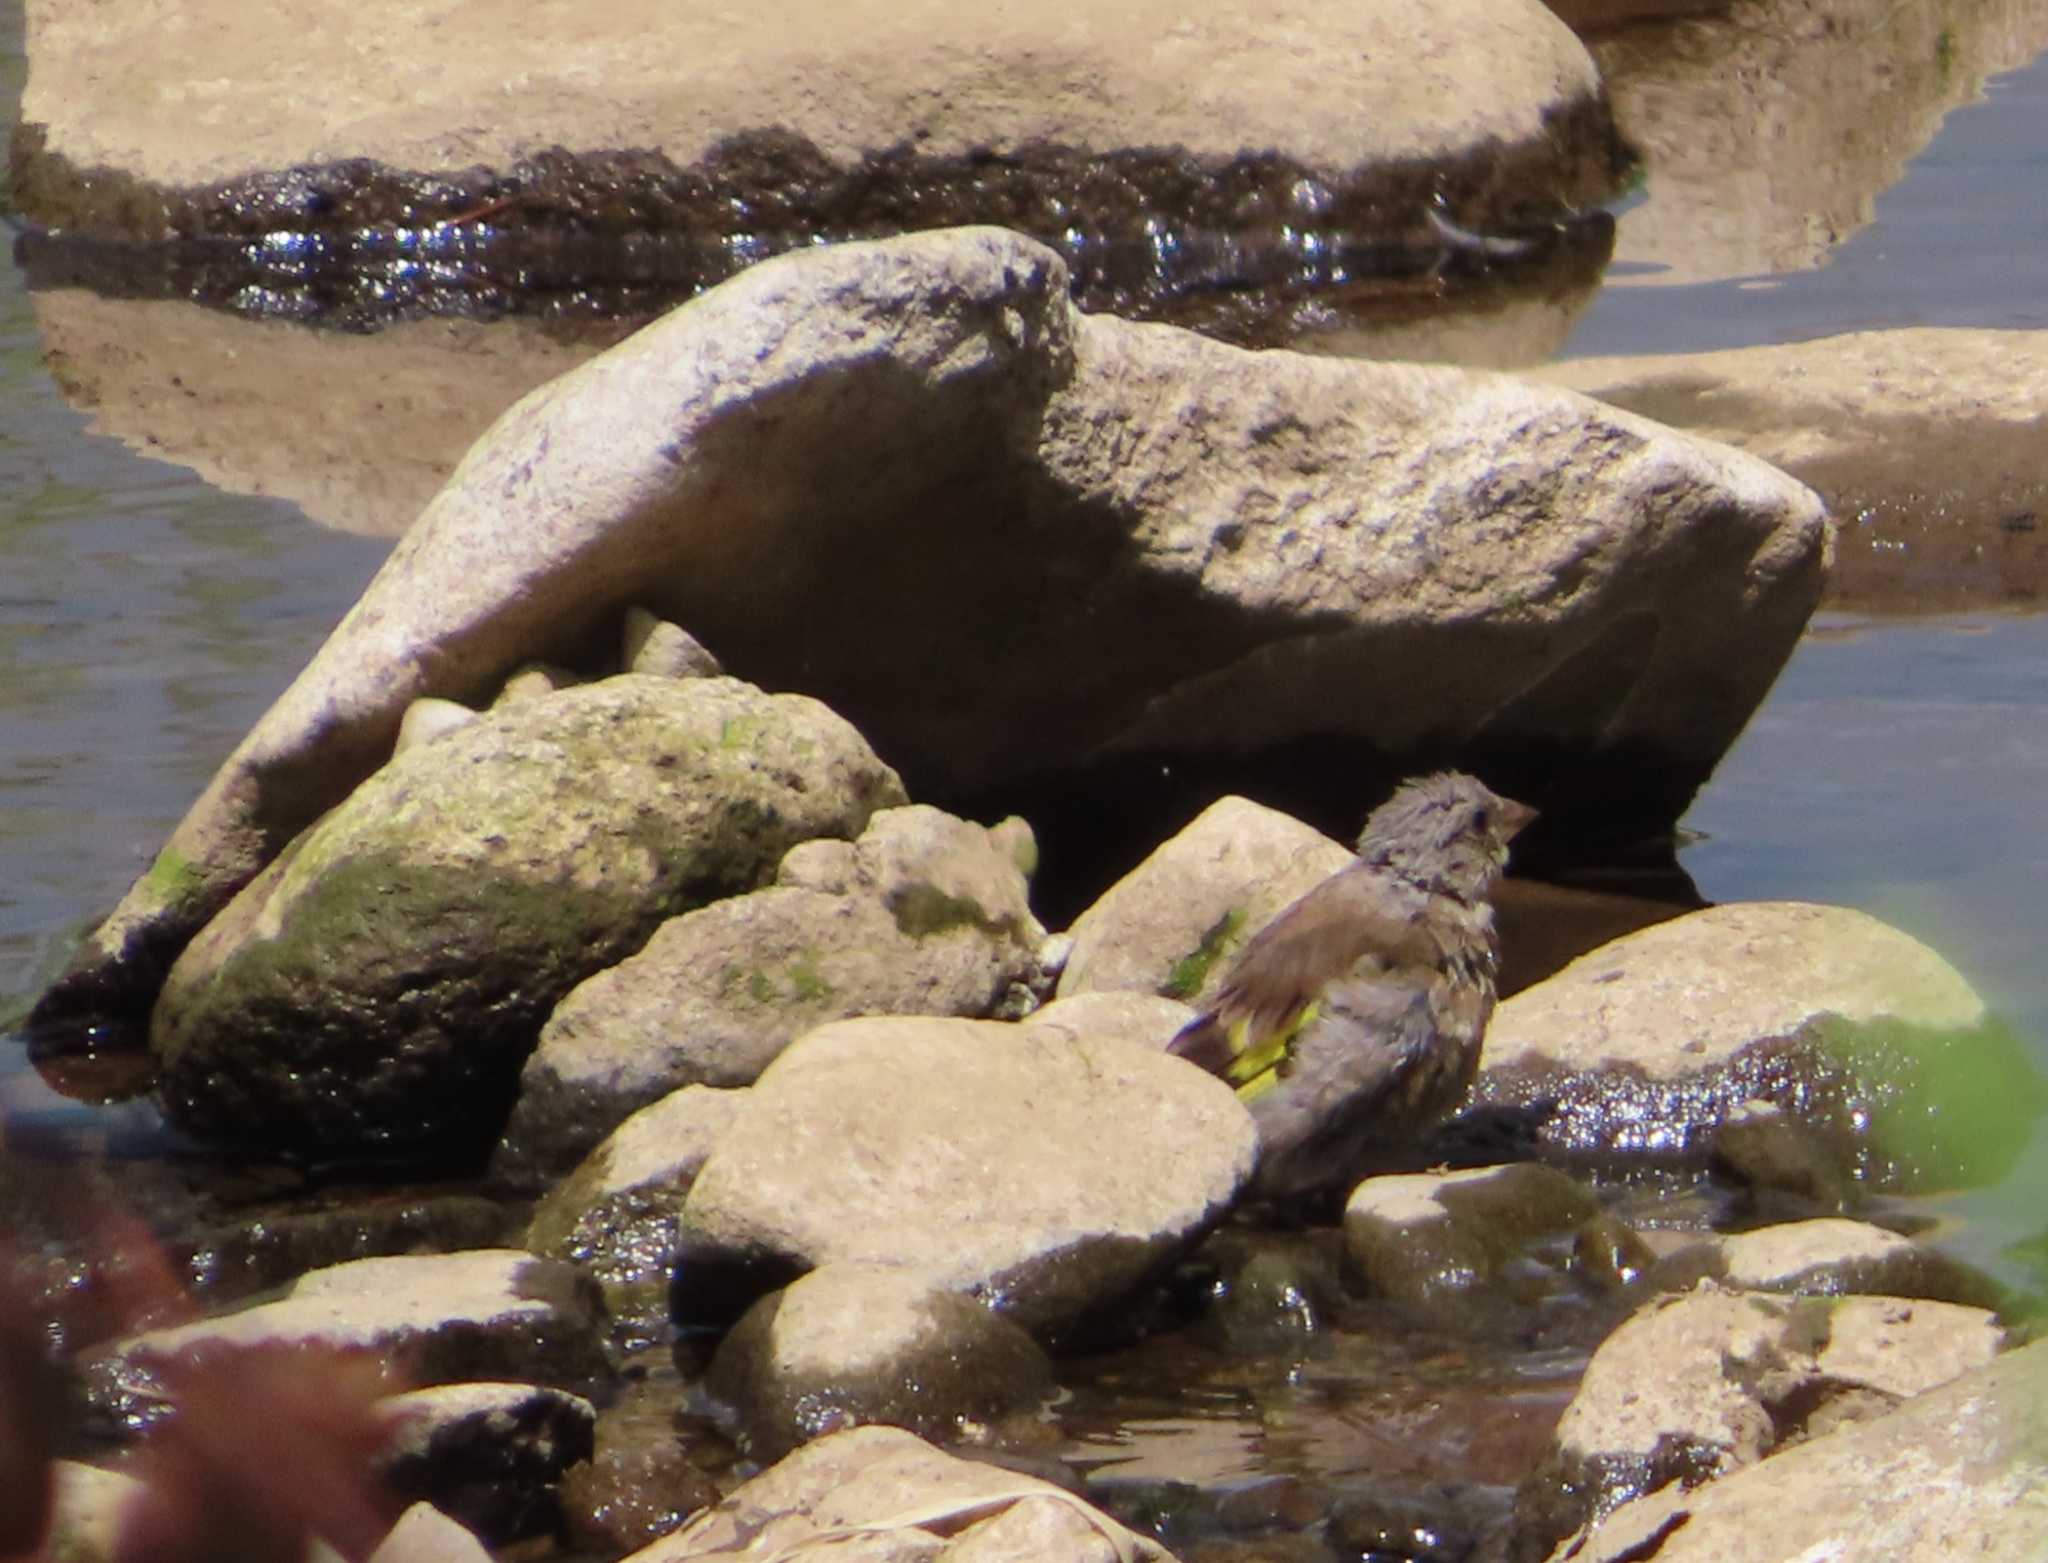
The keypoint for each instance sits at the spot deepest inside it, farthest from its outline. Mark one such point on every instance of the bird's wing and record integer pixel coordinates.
(1357, 922)
(1352, 1075)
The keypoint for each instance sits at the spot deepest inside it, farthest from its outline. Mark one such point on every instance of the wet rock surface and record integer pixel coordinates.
(653, 1467)
(1868, 1040)
(924, 914)
(1046, 1175)
(1245, 172)
(380, 985)
(1956, 1472)
(1228, 599)
(617, 1213)
(865, 1344)
(488, 1455)
(1450, 1242)
(1694, 1387)
(438, 1318)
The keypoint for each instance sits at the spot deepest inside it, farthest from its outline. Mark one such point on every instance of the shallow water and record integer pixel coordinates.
(1961, 240)
(147, 617)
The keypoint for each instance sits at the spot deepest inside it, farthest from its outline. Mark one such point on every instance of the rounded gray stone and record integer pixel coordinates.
(1045, 1174)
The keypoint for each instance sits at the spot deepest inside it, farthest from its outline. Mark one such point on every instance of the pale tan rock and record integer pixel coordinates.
(532, 681)
(1958, 1471)
(210, 90)
(1926, 445)
(226, 396)
(1171, 926)
(924, 914)
(1696, 1386)
(426, 720)
(1859, 1035)
(1141, 1019)
(483, 1313)
(653, 645)
(1044, 1174)
(871, 1494)
(1829, 1256)
(1671, 999)
(1761, 152)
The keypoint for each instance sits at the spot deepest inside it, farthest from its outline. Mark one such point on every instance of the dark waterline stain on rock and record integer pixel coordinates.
(1255, 248)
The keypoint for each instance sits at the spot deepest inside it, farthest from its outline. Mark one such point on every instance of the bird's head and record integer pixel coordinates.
(1449, 831)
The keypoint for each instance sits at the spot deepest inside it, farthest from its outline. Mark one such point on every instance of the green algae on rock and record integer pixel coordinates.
(377, 987)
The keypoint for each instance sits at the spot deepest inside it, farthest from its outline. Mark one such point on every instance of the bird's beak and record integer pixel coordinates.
(1514, 818)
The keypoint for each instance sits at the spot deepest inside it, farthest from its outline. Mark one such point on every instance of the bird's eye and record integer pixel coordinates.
(1480, 818)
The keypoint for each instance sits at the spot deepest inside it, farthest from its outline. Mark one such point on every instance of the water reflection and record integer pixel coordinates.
(1734, 247)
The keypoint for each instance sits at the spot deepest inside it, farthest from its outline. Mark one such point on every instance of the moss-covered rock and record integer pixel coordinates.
(378, 986)
(925, 914)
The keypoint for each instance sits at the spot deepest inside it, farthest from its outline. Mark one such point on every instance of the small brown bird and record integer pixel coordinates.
(1354, 1018)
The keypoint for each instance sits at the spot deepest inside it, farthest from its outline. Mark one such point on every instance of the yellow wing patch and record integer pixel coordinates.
(1256, 1067)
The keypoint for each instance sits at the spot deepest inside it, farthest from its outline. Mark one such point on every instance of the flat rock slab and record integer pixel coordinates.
(1025, 549)
(1865, 1039)
(207, 91)
(436, 1318)
(1045, 1174)
(1829, 1256)
(1927, 443)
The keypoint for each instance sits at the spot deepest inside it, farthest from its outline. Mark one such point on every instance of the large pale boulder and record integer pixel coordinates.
(924, 915)
(1044, 1173)
(1856, 1034)
(380, 984)
(1028, 549)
